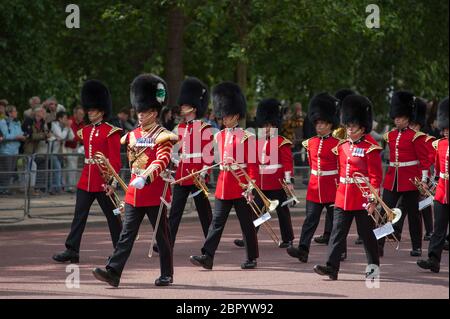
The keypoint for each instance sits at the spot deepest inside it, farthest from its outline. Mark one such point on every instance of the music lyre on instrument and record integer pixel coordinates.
(370, 193)
(268, 205)
(290, 194)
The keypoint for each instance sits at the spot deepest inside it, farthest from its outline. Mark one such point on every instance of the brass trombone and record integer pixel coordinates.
(423, 191)
(370, 193)
(290, 194)
(199, 182)
(268, 205)
(108, 173)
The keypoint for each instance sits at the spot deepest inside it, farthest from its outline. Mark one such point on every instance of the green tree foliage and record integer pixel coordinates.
(290, 49)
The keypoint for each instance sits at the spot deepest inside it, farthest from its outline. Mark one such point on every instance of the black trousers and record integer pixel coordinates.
(82, 206)
(245, 215)
(427, 216)
(313, 212)
(342, 221)
(179, 198)
(133, 220)
(440, 230)
(409, 201)
(284, 215)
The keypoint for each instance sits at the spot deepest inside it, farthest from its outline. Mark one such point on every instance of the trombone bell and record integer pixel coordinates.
(273, 205)
(397, 215)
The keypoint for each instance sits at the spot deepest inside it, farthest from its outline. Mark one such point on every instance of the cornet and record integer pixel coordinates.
(108, 173)
(199, 182)
(290, 194)
(370, 193)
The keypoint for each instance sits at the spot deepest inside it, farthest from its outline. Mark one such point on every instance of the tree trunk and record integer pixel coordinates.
(174, 58)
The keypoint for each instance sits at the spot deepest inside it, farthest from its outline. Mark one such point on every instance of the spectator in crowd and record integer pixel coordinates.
(9, 147)
(3, 104)
(211, 120)
(299, 120)
(167, 119)
(34, 102)
(52, 107)
(73, 148)
(123, 120)
(37, 132)
(133, 116)
(62, 132)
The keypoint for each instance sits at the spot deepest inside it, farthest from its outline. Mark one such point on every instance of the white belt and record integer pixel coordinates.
(349, 180)
(264, 168)
(232, 167)
(191, 155)
(324, 173)
(89, 161)
(137, 171)
(403, 164)
(443, 175)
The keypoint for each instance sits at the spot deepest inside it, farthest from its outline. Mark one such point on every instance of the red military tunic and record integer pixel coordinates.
(408, 158)
(441, 168)
(360, 156)
(196, 149)
(275, 162)
(158, 143)
(324, 169)
(239, 145)
(101, 137)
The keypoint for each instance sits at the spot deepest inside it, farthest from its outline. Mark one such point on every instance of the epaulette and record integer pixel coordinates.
(205, 125)
(417, 135)
(386, 135)
(164, 136)
(335, 149)
(285, 141)
(305, 143)
(113, 130)
(373, 147)
(80, 133)
(247, 134)
(429, 137)
(436, 143)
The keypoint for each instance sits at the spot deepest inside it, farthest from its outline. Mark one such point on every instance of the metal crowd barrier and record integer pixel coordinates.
(35, 177)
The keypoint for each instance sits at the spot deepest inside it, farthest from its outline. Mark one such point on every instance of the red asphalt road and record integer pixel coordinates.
(27, 271)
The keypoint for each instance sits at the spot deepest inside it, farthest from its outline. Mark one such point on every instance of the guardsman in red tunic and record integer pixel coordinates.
(408, 158)
(275, 165)
(239, 145)
(149, 150)
(324, 176)
(441, 197)
(195, 153)
(98, 136)
(356, 154)
(338, 133)
(417, 124)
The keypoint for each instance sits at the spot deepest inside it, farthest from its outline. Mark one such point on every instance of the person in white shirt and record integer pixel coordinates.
(62, 132)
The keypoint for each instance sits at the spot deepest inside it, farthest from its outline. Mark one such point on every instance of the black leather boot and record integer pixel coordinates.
(299, 253)
(164, 281)
(249, 264)
(285, 244)
(239, 243)
(107, 276)
(431, 264)
(416, 252)
(326, 271)
(204, 261)
(67, 256)
(322, 239)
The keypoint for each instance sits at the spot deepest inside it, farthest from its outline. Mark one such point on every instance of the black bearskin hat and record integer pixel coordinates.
(268, 111)
(442, 114)
(228, 100)
(357, 109)
(323, 107)
(95, 95)
(402, 104)
(343, 93)
(419, 112)
(194, 92)
(148, 91)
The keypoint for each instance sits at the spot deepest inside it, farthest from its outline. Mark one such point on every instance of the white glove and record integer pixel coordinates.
(138, 182)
